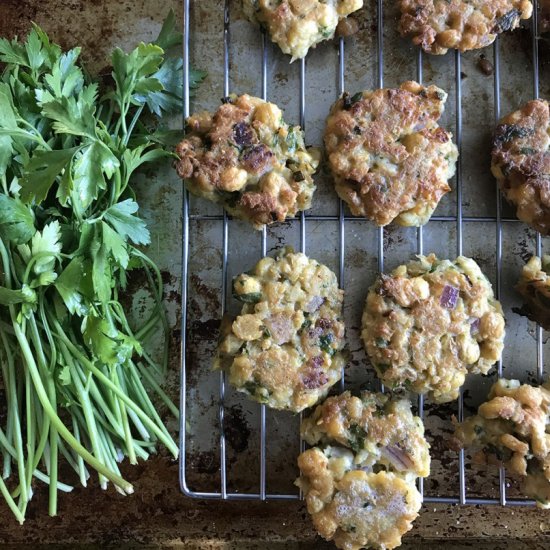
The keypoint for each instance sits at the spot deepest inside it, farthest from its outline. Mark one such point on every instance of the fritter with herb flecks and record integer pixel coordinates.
(512, 429)
(440, 25)
(285, 349)
(521, 162)
(298, 25)
(245, 157)
(359, 478)
(430, 323)
(390, 159)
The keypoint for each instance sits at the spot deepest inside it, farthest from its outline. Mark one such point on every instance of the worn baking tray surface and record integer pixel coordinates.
(470, 115)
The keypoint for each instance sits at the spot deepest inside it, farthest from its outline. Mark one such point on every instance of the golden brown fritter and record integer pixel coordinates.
(285, 349)
(359, 509)
(389, 158)
(245, 157)
(359, 479)
(297, 25)
(380, 431)
(534, 286)
(521, 162)
(512, 429)
(430, 323)
(437, 25)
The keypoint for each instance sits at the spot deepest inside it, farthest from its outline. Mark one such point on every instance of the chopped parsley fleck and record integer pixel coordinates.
(381, 343)
(250, 298)
(357, 437)
(254, 389)
(324, 343)
(325, 32)
(291, 140)
(508, 132)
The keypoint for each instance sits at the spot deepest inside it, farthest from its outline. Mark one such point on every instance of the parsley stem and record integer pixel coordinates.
(67, 454)
(31, 433)
(146, 263)
(9, 429)
(10, 386)
(82, 472)
(127, 433)
(84, 399)
(53, 436)
(109, 116)
(158, 390)
(34, 259)
(168, 442)
(133, 123)
(56, 421)
(35, 133)
(60, 486)
(11, 503)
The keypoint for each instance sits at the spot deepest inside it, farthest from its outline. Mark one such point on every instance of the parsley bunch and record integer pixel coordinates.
(75, 374)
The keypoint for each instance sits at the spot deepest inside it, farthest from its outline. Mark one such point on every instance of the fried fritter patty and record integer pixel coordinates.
(247, 158)
(359, 479)
(358, 509)
(512, 429)
(437, 25)
(430, 323)
(521, 162)
(297, 25)
(379, 430)
(534, 286)
(389, 158)
(285, 349)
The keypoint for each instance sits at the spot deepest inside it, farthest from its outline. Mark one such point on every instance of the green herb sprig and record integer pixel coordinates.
(77, 379)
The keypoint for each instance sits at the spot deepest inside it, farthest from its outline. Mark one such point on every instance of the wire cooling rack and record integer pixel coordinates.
(341, 219)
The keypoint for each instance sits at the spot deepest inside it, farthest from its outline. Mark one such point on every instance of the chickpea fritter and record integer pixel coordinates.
(389, 158)
(512, 429)
(534, 286)
(298, 25)
(430, 323)
(379, 430)
(440, 25)
(521, 162)
(245, 157)
(359, 478)
(286, 348)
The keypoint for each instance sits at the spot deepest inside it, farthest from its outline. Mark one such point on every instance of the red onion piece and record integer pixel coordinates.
(397, 457)
(314, 304)
(314, 379)
(323, 323)
(280, 327)
(314, 332)
(474, 326)
(317, 361)
(449, 297)
(243, 133)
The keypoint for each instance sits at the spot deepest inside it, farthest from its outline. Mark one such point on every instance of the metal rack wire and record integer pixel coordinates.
(458, 219)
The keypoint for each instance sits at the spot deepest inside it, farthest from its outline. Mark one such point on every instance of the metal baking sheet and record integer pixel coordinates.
(233, 448)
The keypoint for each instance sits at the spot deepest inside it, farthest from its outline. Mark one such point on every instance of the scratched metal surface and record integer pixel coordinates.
(361, 260)
(158, 514)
